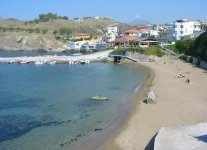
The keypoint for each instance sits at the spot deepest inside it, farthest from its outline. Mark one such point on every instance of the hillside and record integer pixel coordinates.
(18, 35)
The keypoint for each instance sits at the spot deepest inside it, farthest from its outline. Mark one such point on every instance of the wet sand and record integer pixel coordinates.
(178, 103)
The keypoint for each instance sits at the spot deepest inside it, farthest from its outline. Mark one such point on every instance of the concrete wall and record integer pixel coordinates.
(203, 64)
(195, 61)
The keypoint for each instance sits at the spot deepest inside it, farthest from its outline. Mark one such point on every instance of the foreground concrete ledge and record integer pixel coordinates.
(182, 138)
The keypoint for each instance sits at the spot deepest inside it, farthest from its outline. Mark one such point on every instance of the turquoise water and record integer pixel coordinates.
(49, 106)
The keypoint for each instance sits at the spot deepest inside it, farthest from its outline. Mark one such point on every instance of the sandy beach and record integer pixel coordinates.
(178, 103)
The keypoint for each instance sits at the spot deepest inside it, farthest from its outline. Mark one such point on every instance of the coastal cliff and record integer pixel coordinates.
(28, 41)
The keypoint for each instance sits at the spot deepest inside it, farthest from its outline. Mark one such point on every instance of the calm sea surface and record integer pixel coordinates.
(48, 106)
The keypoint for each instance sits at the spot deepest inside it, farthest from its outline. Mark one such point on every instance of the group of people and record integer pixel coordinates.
(179, 75)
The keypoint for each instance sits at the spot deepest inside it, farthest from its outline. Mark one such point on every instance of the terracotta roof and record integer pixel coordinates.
(126, 39)
(143, 30)
(133, 30)
(131, 38)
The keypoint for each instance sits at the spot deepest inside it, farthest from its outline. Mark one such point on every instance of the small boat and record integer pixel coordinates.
(71, 62)
(100, 98)
(24, 62)
(52, 62)
(39, 62)
(11, 62)
(87, 61)
(84, 61)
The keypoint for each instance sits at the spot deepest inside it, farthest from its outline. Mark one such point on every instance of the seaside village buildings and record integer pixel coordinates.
(186, 29)
(142, 36)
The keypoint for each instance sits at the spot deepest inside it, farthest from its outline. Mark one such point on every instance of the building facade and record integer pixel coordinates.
(166, 34)
(186, 29)
(111, 33)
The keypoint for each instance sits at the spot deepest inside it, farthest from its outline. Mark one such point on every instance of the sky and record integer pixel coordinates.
(153, 11)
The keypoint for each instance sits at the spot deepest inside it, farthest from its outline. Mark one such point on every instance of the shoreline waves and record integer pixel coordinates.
(178, 104)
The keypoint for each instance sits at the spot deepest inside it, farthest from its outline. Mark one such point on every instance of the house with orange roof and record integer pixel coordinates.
(126, 41)
(141, 32)
(131, 32)
(81, 36)
(134, 41)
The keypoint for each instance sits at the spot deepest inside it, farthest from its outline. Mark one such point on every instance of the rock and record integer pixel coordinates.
(182, 138)
(151, 99)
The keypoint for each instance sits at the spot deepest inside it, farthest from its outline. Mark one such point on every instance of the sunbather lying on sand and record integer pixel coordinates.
(179, 75)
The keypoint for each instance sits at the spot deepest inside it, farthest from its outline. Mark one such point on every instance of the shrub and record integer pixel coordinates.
(30, 30)
(37, 30)
(65, 31)
(119, 51)
(183, 57)
(44, 31)
(154, 51)
(172, 47)
(183, 46)
(55, 32)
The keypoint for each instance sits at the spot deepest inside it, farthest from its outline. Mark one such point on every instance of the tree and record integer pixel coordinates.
(183, 46)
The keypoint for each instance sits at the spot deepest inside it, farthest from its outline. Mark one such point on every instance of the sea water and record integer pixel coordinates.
(49, 106)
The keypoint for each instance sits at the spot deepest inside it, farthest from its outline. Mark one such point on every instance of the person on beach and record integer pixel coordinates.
(179, 75)
(187, 81)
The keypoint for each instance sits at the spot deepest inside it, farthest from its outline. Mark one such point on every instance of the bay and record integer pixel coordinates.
(49, 106)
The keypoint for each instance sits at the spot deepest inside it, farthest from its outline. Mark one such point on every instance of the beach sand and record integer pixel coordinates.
(178, 103)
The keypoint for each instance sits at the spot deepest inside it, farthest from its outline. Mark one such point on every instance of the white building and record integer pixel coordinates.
(166, 34)
(112, 30)
(75, 45)
(111, 33)
(186, 28)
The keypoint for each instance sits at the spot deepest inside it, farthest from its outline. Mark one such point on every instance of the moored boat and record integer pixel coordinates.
(100, 98)
(52, 62)
(11, 62)
(24, 62)
(39, 62)
(71, 62)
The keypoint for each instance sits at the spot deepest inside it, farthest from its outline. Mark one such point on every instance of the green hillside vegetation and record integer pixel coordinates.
(59, 27)
(46, 17)
(155, 50)
(194, 47)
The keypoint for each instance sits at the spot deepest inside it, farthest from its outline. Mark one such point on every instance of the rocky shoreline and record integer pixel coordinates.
(48, 58)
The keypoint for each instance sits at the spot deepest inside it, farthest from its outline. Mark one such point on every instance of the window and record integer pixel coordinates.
(181, 26)
(181, 32)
